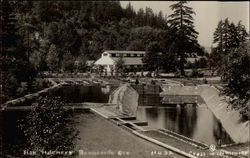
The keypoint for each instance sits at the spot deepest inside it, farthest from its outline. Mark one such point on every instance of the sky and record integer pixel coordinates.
(208, 14)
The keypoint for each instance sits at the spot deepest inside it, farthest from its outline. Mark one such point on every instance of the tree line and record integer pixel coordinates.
(74, 32)
(231, 58)
(58, 36)
(80, 30)
(63, 35)
(227, 36)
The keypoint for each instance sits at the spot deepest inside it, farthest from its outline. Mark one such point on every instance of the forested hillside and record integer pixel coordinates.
(82, 30)
(60, 36)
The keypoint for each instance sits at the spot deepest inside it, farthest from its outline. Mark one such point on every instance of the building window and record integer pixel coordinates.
(113, 55)
(128, 55)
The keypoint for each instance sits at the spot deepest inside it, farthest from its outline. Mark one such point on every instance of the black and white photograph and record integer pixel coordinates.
(124, 79)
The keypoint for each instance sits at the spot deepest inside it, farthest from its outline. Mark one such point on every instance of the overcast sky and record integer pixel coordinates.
(207, 16)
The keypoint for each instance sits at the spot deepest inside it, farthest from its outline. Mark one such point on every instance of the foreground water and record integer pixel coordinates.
(78, 94)
(12, 137)
(97, 137)
(197, 123)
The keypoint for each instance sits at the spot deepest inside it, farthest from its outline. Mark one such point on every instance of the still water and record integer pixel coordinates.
(78, 94)
(197, 123)
(12, 138)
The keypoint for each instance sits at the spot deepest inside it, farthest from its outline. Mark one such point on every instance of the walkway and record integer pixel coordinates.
(100, 135)
(171, 141)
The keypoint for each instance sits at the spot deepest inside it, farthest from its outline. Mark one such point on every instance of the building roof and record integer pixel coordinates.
(130, 60)
(112, 60)
(125, 52)
(105, 61)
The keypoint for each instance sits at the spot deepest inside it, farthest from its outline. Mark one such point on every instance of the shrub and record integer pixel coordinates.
(49, 126)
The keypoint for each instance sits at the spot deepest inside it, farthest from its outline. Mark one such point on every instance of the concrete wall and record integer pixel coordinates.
(230, 119)
(147, 89)
(183, 99)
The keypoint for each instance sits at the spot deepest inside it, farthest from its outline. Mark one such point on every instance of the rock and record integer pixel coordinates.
(126, 99)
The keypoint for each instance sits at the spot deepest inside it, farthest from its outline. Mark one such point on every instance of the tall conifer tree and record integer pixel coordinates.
(184, 36)
(14, 66)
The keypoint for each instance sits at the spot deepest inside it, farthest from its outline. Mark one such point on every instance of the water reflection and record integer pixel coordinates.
(149, 100)
(77, 94)
(198, 123)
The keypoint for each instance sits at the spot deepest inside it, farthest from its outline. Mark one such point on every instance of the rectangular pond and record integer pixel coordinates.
(79, 93)
(96, 134)
(197, 123)
(12, 137)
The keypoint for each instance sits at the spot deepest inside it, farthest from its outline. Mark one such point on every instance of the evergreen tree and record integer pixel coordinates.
(152, 60)
(119, 65)
(242, 34)
(52, 58)
(14, 60)
(140, 17)
(218, 35)
(231, 56)
(233, 40)
(49, 127)
(84, 29)
(184, 37)
(217, 51)
(236, 74)
(226, 37)
(129, 11)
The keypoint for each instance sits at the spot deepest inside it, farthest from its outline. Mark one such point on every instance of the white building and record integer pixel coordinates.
(132, 59)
